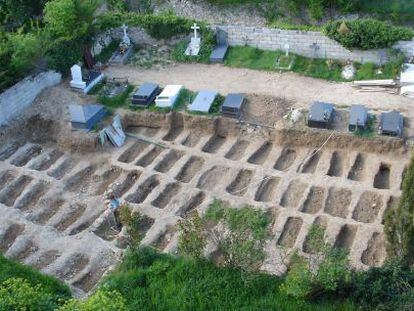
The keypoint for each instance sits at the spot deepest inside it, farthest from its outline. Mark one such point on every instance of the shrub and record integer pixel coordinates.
(366, 33)
(162, 26)
(399, 222)
(191, 242)
(101, 300)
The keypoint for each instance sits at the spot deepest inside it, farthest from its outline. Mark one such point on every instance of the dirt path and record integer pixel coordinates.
(304, 90)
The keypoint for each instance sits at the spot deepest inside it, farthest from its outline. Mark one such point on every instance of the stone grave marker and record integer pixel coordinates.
(194, 47)
(77, 81)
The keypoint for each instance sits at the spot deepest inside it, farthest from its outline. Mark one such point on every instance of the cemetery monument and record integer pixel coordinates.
(194, 47)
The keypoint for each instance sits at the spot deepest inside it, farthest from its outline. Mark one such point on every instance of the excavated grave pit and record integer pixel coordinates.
(72, 266)
(260, 156)
(8, 150)
(240, 184)
(141, 130)
(81, 179)
(314, 201)
(27, 155)
(176, 127)
(47, 160)
(321, 222)
(47, 209)
(150, 156)
(338, 202)
(290, 232)
(10, 194)
(191, 140)
(165, 238)
(63, 168)
(238, 150)
(25, 251)
(214, 144)
(168, 161)
(9, 236)
(120, 188)
(132, 152)
(143, 190)
(382, 178)
(337, 164)
(90, 278)
(368, 207)
(213, 178)
(85, 224)
(192, 204)
(167, 195)
(375, 253)
(293, 194)
(108, 178)
(75, 211)
(267, 189)
(46, 259)
(190, 169)
(309, 167)
(346, 237)
(285, 160)
(6, 177)
(357, 170)
(32, 197)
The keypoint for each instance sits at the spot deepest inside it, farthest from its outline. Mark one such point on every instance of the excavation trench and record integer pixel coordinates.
(192, 204)
(267, 189)
(375, 253)
(314, 201)
(214, 144)
(237, 151)
(368, 207)
(309, 167)
(132, 152)
(32, 197)
(293, 194)
(149, 157)
(357, 170)
(240, 184)
(63, 168)
(337, 164)
(47, 161)
(9, 236)
(10, 194)
(382, 178)
(338, 202)
(190, 169)
(346, 237)
(290, 232)
(29, 154)
(167, 195)
(260, 156)
(143, 190)
(285, 160)
(168, 161)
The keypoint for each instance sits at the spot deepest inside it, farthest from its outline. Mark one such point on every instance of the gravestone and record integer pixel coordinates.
(194, 47)
(287, 47)
(125, 38)
(77, 81)
(124, 50)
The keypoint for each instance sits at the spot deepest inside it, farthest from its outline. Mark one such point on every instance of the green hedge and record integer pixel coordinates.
(162, 26)
(366, 33)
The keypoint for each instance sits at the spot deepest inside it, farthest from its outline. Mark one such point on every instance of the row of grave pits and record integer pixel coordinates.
(143, 154)
(77, 268)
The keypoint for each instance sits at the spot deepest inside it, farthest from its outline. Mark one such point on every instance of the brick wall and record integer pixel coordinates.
(15, 99)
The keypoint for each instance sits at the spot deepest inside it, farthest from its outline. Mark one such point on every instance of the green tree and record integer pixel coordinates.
(399, 222)
(14, 13)
(101, 300)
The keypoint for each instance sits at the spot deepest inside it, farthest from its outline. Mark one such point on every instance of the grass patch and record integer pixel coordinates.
(149, 280)
(117, 101)
(253, 58)
(107, 52)
(12, 269)
(369, 132)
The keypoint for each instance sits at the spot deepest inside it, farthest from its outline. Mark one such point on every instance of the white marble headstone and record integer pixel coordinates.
(125, 38)
(77, 81)
(194, 47)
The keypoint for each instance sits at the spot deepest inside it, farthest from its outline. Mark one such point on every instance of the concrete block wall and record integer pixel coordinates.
(306, 43)
(21, 95)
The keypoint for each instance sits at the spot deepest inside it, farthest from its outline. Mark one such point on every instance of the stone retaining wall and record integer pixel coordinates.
(21, 95)
(312, 44)
(306, 43)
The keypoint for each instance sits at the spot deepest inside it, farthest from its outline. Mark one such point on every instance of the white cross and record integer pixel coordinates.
(124, 28)
(195, 28)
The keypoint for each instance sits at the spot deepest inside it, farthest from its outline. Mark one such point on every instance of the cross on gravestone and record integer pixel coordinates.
(125, 39)
(287, 47)
(195, 28)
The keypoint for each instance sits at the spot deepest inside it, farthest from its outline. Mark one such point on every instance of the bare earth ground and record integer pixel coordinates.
(51, 200)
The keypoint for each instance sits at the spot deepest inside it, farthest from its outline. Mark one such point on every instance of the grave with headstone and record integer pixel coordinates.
(194, 46)
(124, 50)
(84, 82)
(285, 61)
(203, 101)
(86, 116)
(219, 52)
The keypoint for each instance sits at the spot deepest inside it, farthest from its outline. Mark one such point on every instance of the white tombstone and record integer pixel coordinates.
(194, 47)
(77, 81)
(287, 47)
(125, 39)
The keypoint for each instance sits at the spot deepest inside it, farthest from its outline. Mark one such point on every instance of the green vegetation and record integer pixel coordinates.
(399, 222)
(207, 45)
(107, 52)
(366, 33)
(152, 281)
(24, 286)
(253, 58)
(132, 222)
(161, 26)
(369, 131)
(120, 100)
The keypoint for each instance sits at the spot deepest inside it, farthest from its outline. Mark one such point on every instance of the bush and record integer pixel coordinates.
(162, 26)
(366, 33)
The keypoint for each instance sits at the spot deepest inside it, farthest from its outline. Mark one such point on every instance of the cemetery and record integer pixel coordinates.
(308, 141)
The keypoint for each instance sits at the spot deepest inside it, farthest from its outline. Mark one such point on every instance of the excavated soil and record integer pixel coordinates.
(314, 201)
(286, 159)
(292, 196)
(338, 201)
(368, 207)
